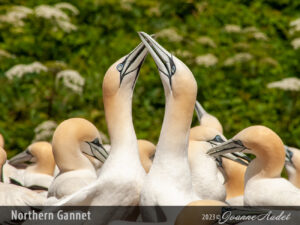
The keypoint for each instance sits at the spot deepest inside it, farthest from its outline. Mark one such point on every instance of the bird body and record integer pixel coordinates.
(169, 179)
(121, 177)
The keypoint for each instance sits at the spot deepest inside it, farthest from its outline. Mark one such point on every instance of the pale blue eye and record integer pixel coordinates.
(120, 67)
(173, 69)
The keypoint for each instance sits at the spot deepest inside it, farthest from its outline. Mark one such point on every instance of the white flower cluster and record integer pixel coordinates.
(238, 58)
(296, 43)
(71, 79)
(288, 84)
(183, 53)
(260, 36)
(295, 26)
(57, 14)
(68, 6)
(171, 34)
(5, 54)
(22, 69)
(232, 28)
(15, 16)
(269, 60)
(256, 34)
(206, 41)
(44, 131)
(207, 60)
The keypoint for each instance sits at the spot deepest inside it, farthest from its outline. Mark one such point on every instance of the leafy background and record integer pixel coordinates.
(107, 29)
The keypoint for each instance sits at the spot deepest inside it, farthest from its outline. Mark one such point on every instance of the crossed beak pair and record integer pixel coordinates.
(134, 60)
(231, 149)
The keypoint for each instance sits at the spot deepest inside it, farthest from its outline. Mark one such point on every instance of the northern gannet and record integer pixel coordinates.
(73, 140)
(231, 168)
(263, 184)
(169, 181)
(122, 175)
(292, 165)
(146, 152)
(38, 175)
(12, 195)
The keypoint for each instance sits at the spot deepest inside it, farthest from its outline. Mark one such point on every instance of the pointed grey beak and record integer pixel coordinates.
(229, 146)
(133, 62)
(20, 158)
(163, 59)
(288, 155)
(97, 150)
(238, 157)
(200, 111)
(232, 157)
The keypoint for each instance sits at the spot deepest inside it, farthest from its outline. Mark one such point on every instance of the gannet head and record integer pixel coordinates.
(176, 77)
(39, 153)
(1, 141)
(146, 152)
(123, 74)
(204, 133)
(260, 141)
(74, 138)
(206, 119)
(214, 138)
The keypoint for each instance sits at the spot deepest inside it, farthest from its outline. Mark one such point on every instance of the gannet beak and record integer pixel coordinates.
(288, 155)
(200, 111)
(132, 63)
(163, 59)
(97, 150)
(22, 157)
(232, 157)
(229, 146)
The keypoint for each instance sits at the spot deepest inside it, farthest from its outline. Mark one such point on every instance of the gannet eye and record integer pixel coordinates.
(96, 142)
(120, 67)
(218, 139)
(173, 69)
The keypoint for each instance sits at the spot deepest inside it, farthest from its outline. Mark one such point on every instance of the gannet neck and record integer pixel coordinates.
(180, 100)
(235, 178)
(1, 141)
(118, 86)
(269, 151)
(118, 115)
(45, 163)
(69, 140)
(146, 152)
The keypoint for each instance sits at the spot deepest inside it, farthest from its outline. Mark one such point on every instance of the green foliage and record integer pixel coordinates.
(107, 30)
